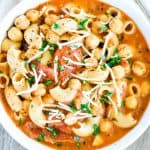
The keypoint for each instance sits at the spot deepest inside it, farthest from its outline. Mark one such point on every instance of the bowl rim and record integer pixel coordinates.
(120, 144)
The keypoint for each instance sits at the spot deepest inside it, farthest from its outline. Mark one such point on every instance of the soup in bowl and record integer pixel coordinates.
(74, 74)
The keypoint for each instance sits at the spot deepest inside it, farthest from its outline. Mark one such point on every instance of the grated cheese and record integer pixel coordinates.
(108, 37)
(56, 69)
(34, 86)
(119, 100)
(79, 15)
(77, 63)
(38, 54)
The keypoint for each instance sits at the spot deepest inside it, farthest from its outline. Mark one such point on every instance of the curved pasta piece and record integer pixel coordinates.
(114, 12)
(93, 75)
(126, 51)
(129, 28)
(4, 80)
(116, 25)
(65, 25)
(14, 61)
(124, 121)
(12, 99)
(86, 128)
(20, 84)
(134, 89)
(35, 112)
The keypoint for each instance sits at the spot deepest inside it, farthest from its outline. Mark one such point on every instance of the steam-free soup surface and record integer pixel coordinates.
(75, 74)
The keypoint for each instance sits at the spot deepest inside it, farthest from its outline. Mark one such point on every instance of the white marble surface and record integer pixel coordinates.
(7, 143)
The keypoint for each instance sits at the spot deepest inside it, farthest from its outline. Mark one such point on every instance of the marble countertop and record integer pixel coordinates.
(7, 143)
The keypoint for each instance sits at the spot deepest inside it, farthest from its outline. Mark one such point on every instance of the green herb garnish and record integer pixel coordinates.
(54, 132)
(20, 122)
(26, 63)
(48, 82)
(104, 98)
(103, 66)
(85, 107)
(56, 26)
(1, 72)
(33, 66)
(114, 61)
(47, 112)
(59, 144)
(104, 27)
(78, 145)
(115, 52)
(53, 46)
(129, 78)
(44, 44)
(38, 59)
(123, 103)
(40, 138)
(96, 130)
(32, 105)
(31, 80)
(82, 24)
(73, 108)
(60, 67)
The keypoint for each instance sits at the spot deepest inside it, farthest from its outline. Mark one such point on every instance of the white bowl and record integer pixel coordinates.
(130, 8)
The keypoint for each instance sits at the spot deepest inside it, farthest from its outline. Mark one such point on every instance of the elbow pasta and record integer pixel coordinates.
(74, 72)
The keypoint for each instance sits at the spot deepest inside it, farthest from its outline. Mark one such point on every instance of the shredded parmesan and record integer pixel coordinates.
(38, 54)
(56, 69)
(73, 41)
(80, 15)
(34, 86)
(77, 63)
(119, 99)
(108, 37)
(83, 78)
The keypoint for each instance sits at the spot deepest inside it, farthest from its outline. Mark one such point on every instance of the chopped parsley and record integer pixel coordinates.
(26, 63)
(129, 78)
(54, 132)
(38, 59)
(40, 138)
(33, 66)
(1, 72)
(104, 98)
(60, 67)
(32, 105)
(47, 112)
(123, 103)
(56, 26)
(31, 80)
(96, 130)
(73, 108)
(20, 122)
(86, 107)
(103, 66)
(59, 144)
(44, 44)
(83, 62)
(114, 61)
(53, 46)
(78, 145)
(48, 82)
(129, 61)
(104, 27)
(82, 24)
(115, 52)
